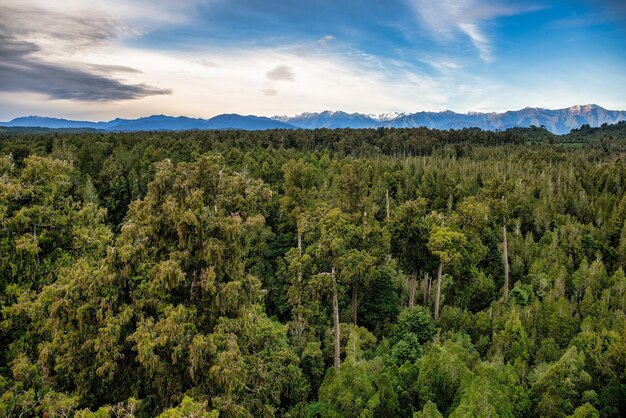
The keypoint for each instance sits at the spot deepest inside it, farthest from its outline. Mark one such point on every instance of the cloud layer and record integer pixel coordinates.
(26, 34)
(107, 58)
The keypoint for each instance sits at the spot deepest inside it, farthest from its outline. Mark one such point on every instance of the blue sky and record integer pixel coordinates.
(101, 59)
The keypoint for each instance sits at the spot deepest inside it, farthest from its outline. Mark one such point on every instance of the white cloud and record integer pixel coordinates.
(446, 19)
(240, 83)
(208, 82)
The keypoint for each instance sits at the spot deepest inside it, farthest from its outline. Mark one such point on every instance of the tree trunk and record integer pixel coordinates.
(299, 318)
(336, 321)
(412, 286)
(387, 203)
(438, 294)
(425, 288)
(299, 301)
(505, 259)
(430, 287)
(130, 198)
(355, 304)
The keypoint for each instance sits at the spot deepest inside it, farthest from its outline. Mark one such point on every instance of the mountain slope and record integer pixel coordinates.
(234, 121)
(44, 122)
(155, 123)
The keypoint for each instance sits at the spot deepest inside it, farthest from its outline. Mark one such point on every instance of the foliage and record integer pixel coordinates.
(193, 273)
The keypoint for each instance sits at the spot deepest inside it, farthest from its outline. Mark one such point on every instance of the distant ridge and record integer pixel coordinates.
(559, 121)
(156, 123)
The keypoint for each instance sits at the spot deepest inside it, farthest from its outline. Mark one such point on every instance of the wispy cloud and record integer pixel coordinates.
(207, 63)
(326, 40)
(441, 64)
(605, 11)
(478, 38)
(446, 19)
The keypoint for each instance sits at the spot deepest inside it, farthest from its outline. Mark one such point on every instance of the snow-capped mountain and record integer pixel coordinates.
(328, 119)
(559, 121)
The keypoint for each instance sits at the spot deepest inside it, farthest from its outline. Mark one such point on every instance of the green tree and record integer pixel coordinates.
(350, 390)
(429, 411)
(189, 409)
(409, 233)
(585, 411)
(622, 246)
(559, 387)
(484, 395)
(443, 369)
(446, 244)
(414, 329)
(512, 342)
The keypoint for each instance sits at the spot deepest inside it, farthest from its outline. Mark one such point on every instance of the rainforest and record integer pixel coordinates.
(325, 273)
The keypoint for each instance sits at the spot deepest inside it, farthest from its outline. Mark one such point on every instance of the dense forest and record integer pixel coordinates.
(326, 273)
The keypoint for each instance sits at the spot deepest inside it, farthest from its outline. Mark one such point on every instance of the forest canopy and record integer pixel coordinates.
(327, 273)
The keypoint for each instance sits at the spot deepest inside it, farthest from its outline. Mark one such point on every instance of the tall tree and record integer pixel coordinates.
(500, 190)
(409, 239)
(332, 237)
(446, 244)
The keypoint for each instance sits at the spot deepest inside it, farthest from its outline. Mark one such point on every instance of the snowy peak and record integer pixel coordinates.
(329, 119)
(584, 108)
(384, 117)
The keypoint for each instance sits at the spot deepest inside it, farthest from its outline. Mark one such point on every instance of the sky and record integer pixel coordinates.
(101, 59)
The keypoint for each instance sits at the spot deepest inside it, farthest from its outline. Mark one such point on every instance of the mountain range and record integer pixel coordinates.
(559, 121)
(155, 123)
